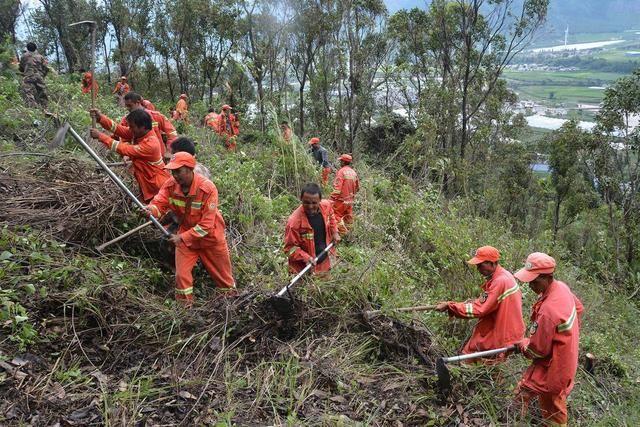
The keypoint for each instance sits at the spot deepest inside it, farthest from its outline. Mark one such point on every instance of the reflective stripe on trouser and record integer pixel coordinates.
(344, 216)
(553, 407)
(325, 175)
(215, 259)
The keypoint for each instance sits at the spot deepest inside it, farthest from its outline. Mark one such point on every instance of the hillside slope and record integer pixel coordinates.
(92, 338)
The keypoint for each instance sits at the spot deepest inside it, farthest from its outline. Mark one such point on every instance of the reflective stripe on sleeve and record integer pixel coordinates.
(563, 327)
(468, 307)
(200, 231)
(114, 145)
(508, 292)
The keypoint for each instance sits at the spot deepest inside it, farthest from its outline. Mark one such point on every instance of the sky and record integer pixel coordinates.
(394, 5)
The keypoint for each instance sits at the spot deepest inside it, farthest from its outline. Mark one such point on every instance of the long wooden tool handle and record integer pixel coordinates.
(116, 180)
(402, 309)
(302, 273)
(124, 236)
(479, 354)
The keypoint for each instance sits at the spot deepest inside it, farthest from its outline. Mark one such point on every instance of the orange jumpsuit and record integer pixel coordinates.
(499, 314)
(345, 187)
(148, 167)
(202, 232)
(87, 78)
(211, 120)
(229, 128)
(183, 110)
(121, 89)
(554, 336)
(299, 244)
(160, 124)
(148, 105)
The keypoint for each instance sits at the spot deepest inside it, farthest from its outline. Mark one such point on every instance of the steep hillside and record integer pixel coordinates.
(90, 338)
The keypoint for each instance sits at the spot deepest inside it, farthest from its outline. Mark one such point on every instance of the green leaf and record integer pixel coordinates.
(5, 255)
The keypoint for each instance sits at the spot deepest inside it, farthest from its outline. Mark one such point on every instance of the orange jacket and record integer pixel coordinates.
(148, 105)
(86, 83)
(160, 124)
(345, 185)
(228, 127)
(181, 107)
(299, 244)
(499, 313)
(201, 223)
(211, 120)
(554, 335)
(121, 88)
(148, 167)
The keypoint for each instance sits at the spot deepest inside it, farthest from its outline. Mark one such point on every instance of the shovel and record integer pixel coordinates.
(403, 309)
(284, 305)
(444, 378)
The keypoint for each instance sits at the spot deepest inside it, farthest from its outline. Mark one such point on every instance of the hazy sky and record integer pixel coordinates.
(394, 5)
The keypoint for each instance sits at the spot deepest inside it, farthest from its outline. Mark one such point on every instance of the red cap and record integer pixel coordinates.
(226, 107)
(536, 264)
(346, 158)
(314, 141)
(181, 159)
(485, 253)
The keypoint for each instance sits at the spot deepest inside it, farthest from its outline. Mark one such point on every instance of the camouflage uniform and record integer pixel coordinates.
(34, 68)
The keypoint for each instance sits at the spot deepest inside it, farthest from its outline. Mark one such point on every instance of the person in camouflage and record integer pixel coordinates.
(34, 68)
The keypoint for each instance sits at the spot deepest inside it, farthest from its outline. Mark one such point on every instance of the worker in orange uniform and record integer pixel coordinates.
(286, 132)
(145, 154)
(121, 89)
(87, 79)
(321, 156)
(148, 105)
(162, 127)
(194, 201)
(310, 228)
(228, 127)
(211, 120)
(554, 335)
(182, 108)
(345, 187)
(498, 309)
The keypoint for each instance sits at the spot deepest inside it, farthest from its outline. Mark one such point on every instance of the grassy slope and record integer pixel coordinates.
(109, 333)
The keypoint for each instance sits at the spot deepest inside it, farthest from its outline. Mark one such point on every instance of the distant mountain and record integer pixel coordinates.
(582, 16)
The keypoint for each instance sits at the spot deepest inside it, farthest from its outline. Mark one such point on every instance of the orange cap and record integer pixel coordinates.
(485, 253)
(226, 107)
(346, 158)
(536, 264)
(181, 159)
(314, 141)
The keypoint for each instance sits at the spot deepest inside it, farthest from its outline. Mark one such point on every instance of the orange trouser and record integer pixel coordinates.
(325, 175)
(343, 213)
(215, 259)
(230, 143)
(553, 407)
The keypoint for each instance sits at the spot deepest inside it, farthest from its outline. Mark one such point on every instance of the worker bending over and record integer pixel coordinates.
(498, 309)
(194, 201)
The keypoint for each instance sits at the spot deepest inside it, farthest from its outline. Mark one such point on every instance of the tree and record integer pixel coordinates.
(11, 9)
(565, 148)
(617, 164)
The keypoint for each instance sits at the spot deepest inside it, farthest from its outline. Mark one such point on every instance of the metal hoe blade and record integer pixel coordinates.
(61, 134)
(444, 378)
